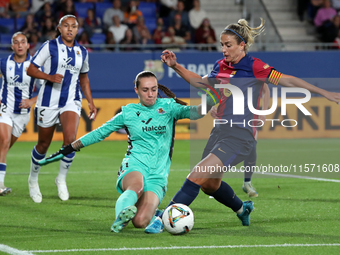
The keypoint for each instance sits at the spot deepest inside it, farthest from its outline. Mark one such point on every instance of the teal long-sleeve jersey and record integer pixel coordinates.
(150, 130)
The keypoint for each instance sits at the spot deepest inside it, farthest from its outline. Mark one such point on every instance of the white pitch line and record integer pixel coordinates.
(300, 177)
(188, 170)
(189, 247)
(12, 251)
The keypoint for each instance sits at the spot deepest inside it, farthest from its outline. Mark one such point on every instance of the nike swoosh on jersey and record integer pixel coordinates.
(221, 150)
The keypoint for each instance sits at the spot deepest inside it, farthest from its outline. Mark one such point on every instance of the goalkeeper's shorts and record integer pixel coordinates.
(154, 182)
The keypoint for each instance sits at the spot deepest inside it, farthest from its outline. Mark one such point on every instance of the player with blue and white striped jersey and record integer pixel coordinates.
(65, 65)
(16, 99)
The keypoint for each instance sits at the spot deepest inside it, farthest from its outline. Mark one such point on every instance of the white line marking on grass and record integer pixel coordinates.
(300, 177)
(188, 170)
(12, 251)
(191, 247)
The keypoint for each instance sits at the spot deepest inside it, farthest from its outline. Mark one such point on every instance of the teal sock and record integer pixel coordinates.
(129, 197)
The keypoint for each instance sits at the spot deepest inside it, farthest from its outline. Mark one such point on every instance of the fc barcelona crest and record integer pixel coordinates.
(155, 66)
(227, 92)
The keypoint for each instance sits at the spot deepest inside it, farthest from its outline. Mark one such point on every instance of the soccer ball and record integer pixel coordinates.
(178, 219)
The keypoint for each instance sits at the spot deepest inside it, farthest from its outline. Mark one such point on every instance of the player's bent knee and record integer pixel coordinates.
(68, 140)
(42, 146)
(211, 186)
(140, 221)
(196, 180)
(4, 144)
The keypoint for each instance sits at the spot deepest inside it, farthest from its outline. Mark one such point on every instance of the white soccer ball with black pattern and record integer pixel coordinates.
(178, 219)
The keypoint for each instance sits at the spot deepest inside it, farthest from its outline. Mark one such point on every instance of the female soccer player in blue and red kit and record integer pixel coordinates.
(229, 145)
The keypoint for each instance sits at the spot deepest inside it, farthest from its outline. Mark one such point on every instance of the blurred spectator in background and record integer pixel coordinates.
(85, 41)
(118, 29)
(46, 13)
(67, 8)
(145, 39)
(4, 8)
(48, 31)
(110, 40)
(30, 26)
(159, 32)
(80, 26)
(171, 38)
(313, 8)
(324, 22)
(36, 5)
(204, 31)
(114, 11)
(184, 15)
(197, 15)
(93, 23)
(206, 34)
(180, 29)
(166, 7)
(18, 8)
(131, 14)
(128, 39)
(34, 44)
(140, 28)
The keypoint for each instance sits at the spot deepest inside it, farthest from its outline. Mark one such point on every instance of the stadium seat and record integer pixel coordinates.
(81, 8)
(19, 23)
(98, 39)
(101, 8)
(5, 39)
(151, 24)
(8, 24)
(148, 9)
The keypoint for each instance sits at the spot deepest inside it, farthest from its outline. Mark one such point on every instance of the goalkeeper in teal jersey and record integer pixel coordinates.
(143, 174)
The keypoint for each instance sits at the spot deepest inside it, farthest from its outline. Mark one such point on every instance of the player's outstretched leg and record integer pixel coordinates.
(123, 218)
(248, 207)
(156, 224)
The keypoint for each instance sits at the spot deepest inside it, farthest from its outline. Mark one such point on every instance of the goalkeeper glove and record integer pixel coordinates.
(57, 156)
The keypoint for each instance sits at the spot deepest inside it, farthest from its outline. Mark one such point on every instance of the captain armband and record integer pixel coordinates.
(274, 77)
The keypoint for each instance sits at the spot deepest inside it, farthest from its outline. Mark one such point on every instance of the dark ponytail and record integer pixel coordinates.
(170, 94)
(164, 89)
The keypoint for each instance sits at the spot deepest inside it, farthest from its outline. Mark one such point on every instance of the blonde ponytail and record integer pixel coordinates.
(243, 32)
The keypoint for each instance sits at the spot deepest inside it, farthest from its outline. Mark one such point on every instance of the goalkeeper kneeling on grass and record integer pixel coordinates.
(143, 174)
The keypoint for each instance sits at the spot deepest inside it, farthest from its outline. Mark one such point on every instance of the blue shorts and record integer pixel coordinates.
(231, 145)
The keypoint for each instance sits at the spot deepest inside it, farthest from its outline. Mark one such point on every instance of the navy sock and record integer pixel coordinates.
(225, 195)
(186, 195)
(248, 172)
(249, 164)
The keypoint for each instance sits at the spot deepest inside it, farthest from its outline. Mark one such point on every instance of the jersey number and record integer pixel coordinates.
(3, 108)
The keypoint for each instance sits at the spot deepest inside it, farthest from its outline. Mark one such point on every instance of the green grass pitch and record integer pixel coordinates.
(288, 210)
